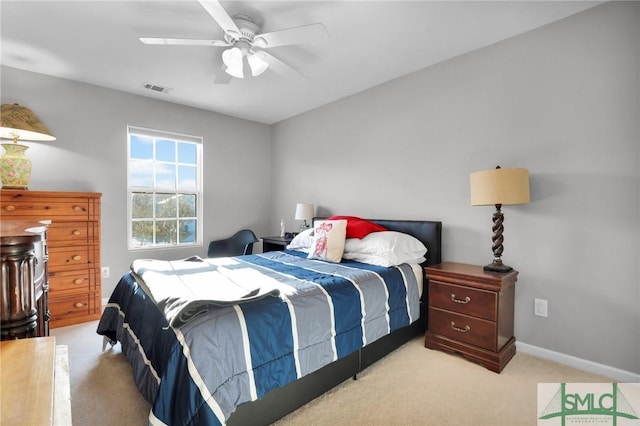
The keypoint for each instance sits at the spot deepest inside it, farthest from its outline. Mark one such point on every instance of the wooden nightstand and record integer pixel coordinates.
(471, 313)
(274, 243)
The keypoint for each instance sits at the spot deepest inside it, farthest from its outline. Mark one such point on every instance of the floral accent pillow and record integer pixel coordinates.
(328, 240)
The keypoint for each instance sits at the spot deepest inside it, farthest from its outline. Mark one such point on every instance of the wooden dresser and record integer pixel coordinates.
(73, 242)
(471, 313)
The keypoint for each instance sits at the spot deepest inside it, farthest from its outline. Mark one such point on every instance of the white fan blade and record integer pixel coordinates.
(217, 12)
(305, 34)
(279, 66)
(183, 42)
(221, 76)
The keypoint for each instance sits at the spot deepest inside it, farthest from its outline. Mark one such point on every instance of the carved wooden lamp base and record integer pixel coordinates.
(497, 266)
(498, 239)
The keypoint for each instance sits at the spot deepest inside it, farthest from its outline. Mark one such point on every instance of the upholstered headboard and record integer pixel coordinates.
(429, 232)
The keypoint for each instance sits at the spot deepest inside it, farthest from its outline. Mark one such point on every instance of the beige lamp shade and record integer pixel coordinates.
(304, 211)
(18, 122)
(499, 186)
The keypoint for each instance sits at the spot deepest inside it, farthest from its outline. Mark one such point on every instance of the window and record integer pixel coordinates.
(164, 189)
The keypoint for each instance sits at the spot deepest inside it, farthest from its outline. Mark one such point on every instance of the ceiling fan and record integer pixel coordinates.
(243, 38)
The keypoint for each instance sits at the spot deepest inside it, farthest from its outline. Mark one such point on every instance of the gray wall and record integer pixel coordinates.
(561, 101)
(90, 154)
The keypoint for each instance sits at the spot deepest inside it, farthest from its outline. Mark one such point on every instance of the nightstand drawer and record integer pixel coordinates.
(465, 300)
(463, 328)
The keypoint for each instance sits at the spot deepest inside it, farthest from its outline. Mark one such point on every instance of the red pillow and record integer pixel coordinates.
(358, 227)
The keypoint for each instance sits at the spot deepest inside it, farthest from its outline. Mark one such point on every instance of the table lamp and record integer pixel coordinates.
(18, 122)
(499, 187)
(304, 211)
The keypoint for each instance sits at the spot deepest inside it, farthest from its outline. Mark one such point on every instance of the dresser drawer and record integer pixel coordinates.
(72, 209)
(71, 306)
(463, 328)
(71, 233)
(465, 300)
(72, 258)
(72, 281)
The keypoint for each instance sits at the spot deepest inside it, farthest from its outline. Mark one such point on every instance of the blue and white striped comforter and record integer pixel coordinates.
(200, 372)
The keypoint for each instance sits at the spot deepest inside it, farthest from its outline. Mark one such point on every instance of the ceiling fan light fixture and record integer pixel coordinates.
(232, 58)
(257, 63)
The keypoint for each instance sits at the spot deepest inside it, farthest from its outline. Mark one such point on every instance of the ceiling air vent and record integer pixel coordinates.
(155, 88)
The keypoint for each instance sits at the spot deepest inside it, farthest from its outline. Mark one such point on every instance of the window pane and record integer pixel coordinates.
(165, 150)
(164, 180)
(187, 153)
(166, 205)
(187, 205)
(141, 147)
(187, 231)
(166, 232)
(187, 178)
(141, 173)
(142, 233)
(141, 206)
(165, 176)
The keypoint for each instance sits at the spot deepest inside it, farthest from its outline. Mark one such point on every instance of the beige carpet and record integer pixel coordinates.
(411, 386)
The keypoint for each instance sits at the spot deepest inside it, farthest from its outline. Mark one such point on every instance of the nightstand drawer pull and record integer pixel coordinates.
(464, 302)
(461, 330)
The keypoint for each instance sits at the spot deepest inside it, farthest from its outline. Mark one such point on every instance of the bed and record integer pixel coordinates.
(198, 363)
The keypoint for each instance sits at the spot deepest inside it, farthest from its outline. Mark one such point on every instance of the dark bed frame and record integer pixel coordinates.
(282, 401)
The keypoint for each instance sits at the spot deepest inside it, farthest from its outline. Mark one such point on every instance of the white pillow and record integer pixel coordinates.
(328, 240)
(302, 242)
(385, 248)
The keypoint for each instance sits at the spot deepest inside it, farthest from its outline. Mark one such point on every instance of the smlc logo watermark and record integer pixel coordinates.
(616, 404)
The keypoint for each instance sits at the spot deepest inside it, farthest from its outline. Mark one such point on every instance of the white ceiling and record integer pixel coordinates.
(370, 42)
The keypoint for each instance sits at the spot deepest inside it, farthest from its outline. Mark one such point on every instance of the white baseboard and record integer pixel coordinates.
(579, 363)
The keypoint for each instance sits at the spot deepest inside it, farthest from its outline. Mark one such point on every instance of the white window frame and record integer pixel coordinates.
(159, 134)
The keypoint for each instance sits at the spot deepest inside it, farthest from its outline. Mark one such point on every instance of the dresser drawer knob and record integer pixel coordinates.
(10, 208)
(76, 232)
(458, 329)
(76, 257)
(77, 208)
(78, 281)
(78, 305)
(463, 301)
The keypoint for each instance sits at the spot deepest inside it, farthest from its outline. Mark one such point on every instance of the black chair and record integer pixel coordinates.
(238, 244)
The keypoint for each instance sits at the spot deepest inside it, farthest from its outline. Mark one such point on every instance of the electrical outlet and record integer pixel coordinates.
(540, 307)
(104, 271)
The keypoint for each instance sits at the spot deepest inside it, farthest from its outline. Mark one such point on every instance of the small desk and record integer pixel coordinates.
(34, 378)
(274, 243)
